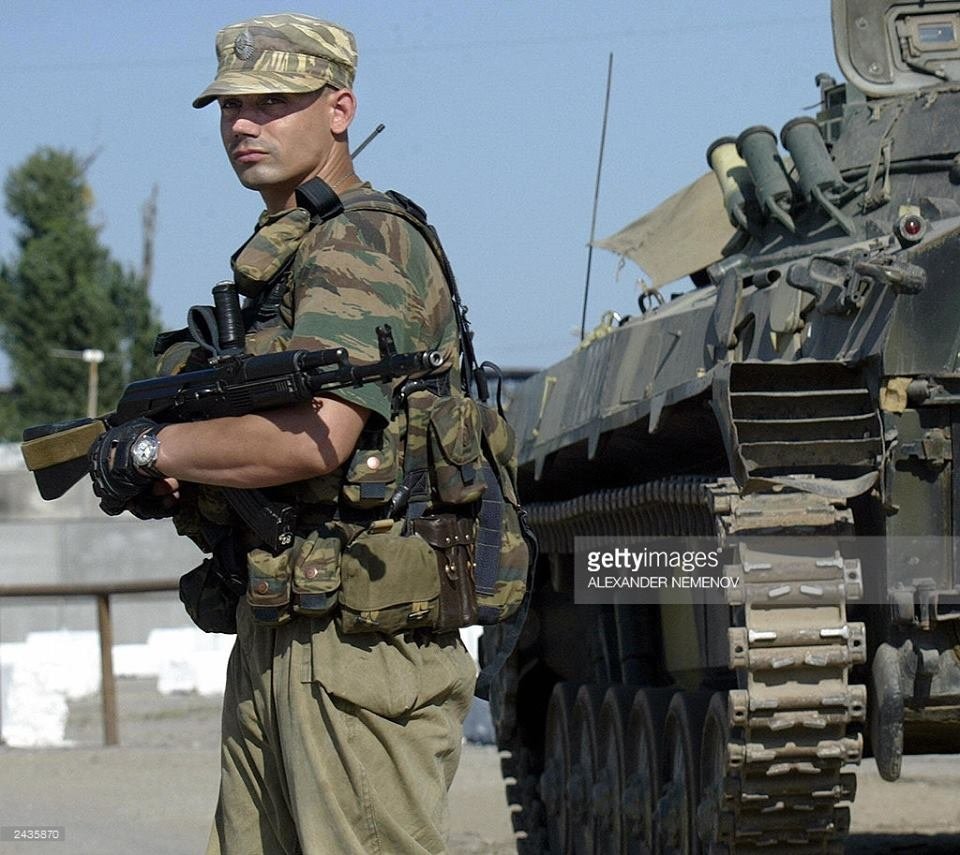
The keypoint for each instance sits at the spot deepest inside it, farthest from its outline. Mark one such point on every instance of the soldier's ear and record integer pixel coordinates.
(343, 107)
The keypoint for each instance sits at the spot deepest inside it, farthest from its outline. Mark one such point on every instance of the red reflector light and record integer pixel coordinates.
(910, 229)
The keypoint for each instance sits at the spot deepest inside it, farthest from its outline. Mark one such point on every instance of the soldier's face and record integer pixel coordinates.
(277, 141)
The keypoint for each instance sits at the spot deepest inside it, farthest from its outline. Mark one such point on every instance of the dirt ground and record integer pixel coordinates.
(155, 793)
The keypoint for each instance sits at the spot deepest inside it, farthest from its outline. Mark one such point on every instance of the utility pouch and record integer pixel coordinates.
(316, 574)
(389, 581)
(269, 584)
(210, 592)
(453, 541)
(500, 590)
(503, 528)
(468, 451)
(372, 476)
(455, 450)
(209, 598)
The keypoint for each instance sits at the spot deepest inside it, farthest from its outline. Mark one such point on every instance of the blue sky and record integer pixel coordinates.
(493, 113)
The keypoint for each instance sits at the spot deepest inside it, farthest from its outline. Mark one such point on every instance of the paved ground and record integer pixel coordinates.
(154, 795)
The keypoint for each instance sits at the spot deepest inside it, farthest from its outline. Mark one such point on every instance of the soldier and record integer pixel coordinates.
(332, 742)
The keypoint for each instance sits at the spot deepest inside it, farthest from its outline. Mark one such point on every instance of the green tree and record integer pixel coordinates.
(63, 292)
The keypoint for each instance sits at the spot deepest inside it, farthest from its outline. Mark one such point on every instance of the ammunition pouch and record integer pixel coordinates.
(454, 445)
(373, 472)
(303, 579)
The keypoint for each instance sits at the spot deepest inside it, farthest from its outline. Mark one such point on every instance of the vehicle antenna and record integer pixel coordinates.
(596, 199)
(368, 140)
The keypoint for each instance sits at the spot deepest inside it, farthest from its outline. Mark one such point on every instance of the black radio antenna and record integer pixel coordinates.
(370, 138)
(596, 199)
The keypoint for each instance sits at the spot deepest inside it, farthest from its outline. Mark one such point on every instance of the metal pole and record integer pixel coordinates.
(90, 589)
(108, 687)
(92, 390)
(93, 358)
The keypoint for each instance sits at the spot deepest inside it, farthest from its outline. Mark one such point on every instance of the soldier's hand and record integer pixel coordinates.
(159, 501)
(117, 477)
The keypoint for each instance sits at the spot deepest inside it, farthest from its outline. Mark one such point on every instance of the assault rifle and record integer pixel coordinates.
(235, 384)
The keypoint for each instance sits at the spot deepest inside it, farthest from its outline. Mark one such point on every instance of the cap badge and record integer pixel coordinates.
(243, 46)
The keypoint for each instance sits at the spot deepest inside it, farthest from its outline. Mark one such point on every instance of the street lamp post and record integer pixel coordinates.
(93, 358)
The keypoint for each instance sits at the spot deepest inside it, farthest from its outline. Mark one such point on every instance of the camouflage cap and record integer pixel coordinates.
(281, 53)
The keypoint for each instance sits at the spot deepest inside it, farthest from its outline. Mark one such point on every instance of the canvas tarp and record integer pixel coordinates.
(678, 237)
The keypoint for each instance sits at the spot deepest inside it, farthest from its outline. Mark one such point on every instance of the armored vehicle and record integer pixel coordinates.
(807, 390)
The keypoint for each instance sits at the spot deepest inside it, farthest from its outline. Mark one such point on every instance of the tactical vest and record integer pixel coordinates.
(423, 527)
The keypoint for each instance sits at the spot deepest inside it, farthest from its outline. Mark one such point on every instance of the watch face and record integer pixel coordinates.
(144, 451)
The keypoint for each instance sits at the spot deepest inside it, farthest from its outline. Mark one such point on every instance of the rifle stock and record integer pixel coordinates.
(57, 453)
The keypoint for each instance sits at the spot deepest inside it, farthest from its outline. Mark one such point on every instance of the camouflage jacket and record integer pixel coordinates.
(348, 275)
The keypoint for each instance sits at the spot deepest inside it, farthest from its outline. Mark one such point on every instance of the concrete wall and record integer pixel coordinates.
(70, 540)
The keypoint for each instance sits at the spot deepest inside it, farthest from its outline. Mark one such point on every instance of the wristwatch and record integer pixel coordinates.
(145, 451)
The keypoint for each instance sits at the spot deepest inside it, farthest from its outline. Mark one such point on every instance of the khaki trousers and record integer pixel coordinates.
(336, 744)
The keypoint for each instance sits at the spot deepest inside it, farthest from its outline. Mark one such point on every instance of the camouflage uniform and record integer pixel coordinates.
(334, 742)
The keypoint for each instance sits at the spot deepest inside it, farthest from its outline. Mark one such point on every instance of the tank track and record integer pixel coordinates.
(791, 721)
(790, 731)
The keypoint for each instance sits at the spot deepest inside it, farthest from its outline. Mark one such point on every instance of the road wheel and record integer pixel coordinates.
(585, 769)
(713, 773)
(608, 790)
(642, 771)
(558, 755)
(679, 769)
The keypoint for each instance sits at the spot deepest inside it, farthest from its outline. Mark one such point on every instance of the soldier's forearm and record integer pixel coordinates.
(262, 449)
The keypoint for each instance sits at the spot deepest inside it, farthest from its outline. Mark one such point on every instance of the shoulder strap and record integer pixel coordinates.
(319, 199)
(399, 205)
